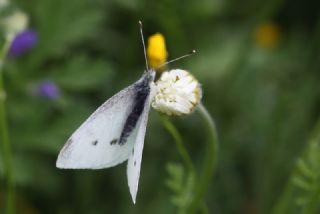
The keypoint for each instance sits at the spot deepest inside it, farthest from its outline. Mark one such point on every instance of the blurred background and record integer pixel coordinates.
(258, 63)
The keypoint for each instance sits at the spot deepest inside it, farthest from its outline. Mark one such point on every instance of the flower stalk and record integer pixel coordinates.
(209, 163)
(179, 143)
(4, 136)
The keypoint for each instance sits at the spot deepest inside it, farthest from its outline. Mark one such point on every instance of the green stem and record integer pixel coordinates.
(210, 161)
(4, 136)
(179, 143)
(185, 157)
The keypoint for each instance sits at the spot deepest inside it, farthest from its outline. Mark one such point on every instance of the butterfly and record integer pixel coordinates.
(115, 132)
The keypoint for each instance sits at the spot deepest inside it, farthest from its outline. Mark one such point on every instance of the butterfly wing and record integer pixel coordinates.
(134, 161)
(94, 144)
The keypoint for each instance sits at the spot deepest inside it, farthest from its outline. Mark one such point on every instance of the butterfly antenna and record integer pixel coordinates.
(176, 59)
(144, 46)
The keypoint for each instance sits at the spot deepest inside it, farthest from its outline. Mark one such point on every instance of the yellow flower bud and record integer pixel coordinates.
(156, 50)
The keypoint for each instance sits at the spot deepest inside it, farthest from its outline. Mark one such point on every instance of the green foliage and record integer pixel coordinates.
(80, 75)
(63, 24)
(302, 194)
(181, 183)
(308, 178)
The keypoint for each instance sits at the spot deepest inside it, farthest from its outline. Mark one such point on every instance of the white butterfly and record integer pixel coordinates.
(115, 132)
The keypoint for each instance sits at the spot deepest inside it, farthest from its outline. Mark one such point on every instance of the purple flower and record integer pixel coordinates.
(23, 42)
(49, 89)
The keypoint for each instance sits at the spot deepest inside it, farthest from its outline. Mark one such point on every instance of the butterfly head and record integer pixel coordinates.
(148, 76)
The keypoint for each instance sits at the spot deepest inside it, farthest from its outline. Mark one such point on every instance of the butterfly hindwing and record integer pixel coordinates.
(134, 161)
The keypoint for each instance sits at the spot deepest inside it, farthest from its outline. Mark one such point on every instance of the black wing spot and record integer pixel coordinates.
(135, 163)
(113, 142)
(95, 142)
(133, 151)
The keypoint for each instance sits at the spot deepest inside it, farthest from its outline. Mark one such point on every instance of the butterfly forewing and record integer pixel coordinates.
(95, 144)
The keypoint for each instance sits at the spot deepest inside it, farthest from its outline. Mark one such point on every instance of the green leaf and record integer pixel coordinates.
(82, 74)
(62, 24)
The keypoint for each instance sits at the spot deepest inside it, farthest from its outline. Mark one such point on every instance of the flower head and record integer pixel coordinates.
(48, 89)
(3, 3)
(22, 42)
(15, 23)
(267, 35)
(178, 93)
(156, 50)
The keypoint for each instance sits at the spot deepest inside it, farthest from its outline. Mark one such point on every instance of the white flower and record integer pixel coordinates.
(178, 93)
(3, 3)
(15, 23)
